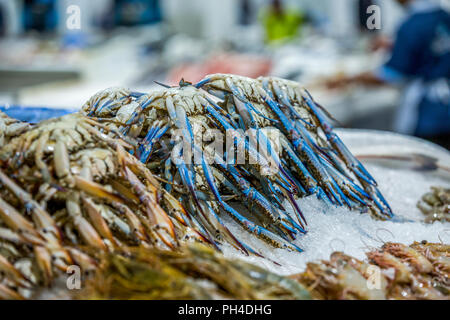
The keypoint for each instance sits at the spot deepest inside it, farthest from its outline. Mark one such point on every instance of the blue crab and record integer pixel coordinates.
(305, 153)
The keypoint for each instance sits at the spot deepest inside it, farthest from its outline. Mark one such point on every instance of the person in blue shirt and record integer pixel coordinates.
(420, 61)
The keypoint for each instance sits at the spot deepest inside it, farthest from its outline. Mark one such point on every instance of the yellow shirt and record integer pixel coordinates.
(282, 26)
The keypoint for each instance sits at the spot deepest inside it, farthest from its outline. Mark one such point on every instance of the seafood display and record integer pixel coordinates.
(195, 272)
(191, 136)
(137, 190)
(10, 128)
(396, 271)
(436, 205)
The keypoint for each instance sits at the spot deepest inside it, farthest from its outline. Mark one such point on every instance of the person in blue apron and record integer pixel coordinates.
(420, 62)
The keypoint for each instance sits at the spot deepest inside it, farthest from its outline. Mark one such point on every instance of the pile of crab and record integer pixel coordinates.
(159, 169)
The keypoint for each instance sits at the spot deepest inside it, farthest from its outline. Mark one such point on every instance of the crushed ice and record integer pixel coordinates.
(339, 229)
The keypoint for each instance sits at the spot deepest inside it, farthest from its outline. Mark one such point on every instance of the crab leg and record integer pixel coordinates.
(281, 96)
(97, 220)
(86, 230)
(83, 260)
(306, 178)
(153, 135)
(9, 294)
(349, 188)
(304, 150)
(16, 221)
(97, 190)
(44, 261)
(7, 268)
(61, 160)
(254, 155)
(155, 213)
(218, 224)
(240, 245)
(200, 225)
(45, 223)
(273, 192)
(254, 196)
(353, 164)
(133, 220)
(376, 196)
(176, 209)
(266, 212)
(179, 118)
(41, 143)
(168, 174)
(206, 101)
(243, 109)
(244, 222)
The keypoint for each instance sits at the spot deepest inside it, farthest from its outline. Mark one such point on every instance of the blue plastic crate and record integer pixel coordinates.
(34, 114)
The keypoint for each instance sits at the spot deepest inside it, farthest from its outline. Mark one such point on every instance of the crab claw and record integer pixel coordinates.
(352, 163)
(9, 294)
(86, 230)
(158, 217)
(265, 234)
(15, 220)
(97, 190)
(44, 261)
(9, 269)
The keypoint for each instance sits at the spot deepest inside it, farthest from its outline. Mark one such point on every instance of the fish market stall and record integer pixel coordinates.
(224, 150)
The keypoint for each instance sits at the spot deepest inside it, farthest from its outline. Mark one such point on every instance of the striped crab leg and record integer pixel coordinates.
(281, 96)
(254, 196)
(352, 163)
(154, 134)
(291, 93)
(250, 226)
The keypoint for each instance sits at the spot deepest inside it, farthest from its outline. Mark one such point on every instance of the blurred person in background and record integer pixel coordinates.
(281, 24)
(136, 12)
(40, 15)
(420, 61)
